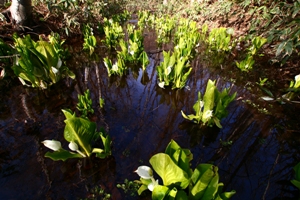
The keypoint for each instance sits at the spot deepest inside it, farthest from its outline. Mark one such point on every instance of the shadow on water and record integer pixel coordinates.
(254, 155)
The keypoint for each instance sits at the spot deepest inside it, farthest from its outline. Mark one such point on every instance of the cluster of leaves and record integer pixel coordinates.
(179, 180)
(279, 21)
(212, 107)
(129, 187)
(90, 42)
(290, 93)
(84, 105)
(39, 63)
(132, 51)
(113, 33)
(219, 39)
(76, 12)
(146, 20)
(164, 26)
(118, 68)
(175, 68)
(247, 64)
(81, 133)
(98, 192)
(57, 42)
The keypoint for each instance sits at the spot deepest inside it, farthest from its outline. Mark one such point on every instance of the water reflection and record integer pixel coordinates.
(141, 119)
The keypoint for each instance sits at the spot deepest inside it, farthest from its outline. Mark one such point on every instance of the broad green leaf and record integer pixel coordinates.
(68, 113)
(46, 53)
(81, 131)
(160, 192)
(297, 170)
(198, 105)
(62, 155)
(106, 143)
(169, 171)
(296, 183)
(200, 169)
(181, 157)
(209, 100)
(181, 195)
(225, 195)
(172, 148)
(207, 175)
(142, 189)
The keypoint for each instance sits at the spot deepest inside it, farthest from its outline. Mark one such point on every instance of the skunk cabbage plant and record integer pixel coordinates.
(81, 133)
(179, 181)
(39, 64)
(212, 107)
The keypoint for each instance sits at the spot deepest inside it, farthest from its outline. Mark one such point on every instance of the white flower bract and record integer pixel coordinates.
(73, 146)
(144, 172)
(52, 144)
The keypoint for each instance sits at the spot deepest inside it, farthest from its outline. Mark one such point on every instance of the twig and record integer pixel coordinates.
(15, 55)
(271, 172)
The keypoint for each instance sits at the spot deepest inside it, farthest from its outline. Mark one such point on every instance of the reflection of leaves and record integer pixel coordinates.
(198, 134)
(145, 78)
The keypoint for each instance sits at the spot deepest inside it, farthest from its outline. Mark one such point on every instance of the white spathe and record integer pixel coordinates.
(144, 172)
(73, 146)
(52, 144)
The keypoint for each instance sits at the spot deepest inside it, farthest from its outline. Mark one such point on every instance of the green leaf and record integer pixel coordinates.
(160, 192)
(169, 171)
(296, 183)
(181, 195)
(68, 113)
(62, 155)
(207, 181)
(172, 194)
(81, 131)
(208, 99)
(101, 102)
(181, 157)
(142, 189)
(47, 54)
(224, 195)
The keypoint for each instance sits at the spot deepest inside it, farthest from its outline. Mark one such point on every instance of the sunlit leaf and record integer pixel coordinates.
(81, 131)
(160, 192)
(169, 171)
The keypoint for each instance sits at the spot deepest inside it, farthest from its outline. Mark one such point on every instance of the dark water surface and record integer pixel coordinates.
(142, 118)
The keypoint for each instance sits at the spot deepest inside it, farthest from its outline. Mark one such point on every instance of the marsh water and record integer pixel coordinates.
(255, 151)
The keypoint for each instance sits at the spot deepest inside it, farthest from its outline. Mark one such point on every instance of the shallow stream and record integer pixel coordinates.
(255, 152)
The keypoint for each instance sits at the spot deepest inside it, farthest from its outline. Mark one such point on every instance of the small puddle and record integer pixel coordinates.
(255, 157)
